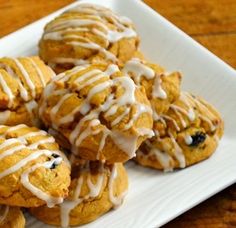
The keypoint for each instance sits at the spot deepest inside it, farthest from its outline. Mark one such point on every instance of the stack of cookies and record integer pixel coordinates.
(106, 105)
(33, 169)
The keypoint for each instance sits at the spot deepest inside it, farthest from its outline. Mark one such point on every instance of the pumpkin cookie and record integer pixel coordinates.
(101, 113)
(11, 217)
(33, 171)
(186, 134)
(162, 88)
(87, 34)
(94, 190)
(21, 83)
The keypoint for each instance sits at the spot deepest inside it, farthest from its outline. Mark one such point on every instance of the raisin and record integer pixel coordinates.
(55, 155)
(198, 138)
(53, 166)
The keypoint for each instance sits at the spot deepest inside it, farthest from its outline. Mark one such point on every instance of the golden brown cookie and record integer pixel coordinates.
(11, 217)
(162, 88)
(87, 34)
(101, 113)
(21, 83)
(94, 190)
(186, 134)
(33, 171)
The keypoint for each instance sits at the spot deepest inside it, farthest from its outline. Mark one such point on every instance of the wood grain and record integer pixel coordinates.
(15, 14)
(210, 22)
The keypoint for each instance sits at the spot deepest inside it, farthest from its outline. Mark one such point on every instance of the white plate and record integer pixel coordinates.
(154, 197)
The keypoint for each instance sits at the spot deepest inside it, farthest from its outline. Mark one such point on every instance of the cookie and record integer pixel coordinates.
(33, 171)
(21, 84)
(87, 34)
(11, 217)
(95, 189)
(162, 88)
(100, 112)
(186, 134)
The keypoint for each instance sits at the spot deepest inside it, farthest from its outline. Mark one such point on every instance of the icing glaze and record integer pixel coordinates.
(13, 145)
(188, 139)
(96, 19)
(137, 69)
(6, 89)
(183, 114)
(115, 200)
(89, 124)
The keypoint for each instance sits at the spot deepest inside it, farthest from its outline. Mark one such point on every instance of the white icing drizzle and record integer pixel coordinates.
(65, 208)
(23, 91)
(120, 117)
(108, 108)
(88, 131)
(137, 69)
(21, 142)
(188, 139)
(94, 190)
(204, 113)
(127, 143)
(32, 106)
(23, 162)
(26, 76)
(178, 153)
(95, 22)
(190, 114)
(163, 117)
(140, 110)
(178, 114)
(11, 151)
(56, 108)
(157, 90)
(145, 131)
(47, 140)
(6, 90)
(50, 200)
(61, 60)
(38, 70)
(115, 200)
(4, 212)
(163, 158)
(14, 128)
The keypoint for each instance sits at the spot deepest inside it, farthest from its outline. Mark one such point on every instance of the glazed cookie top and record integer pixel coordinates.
(189, 121)
(88, 32)
(162, 88)
(93, 178)
(95, 106)
(33, 171)
(92, 182)
(21, 83)
(4, 210)
(189, 110)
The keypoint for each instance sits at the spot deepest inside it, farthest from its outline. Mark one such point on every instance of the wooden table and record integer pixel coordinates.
(210, 22)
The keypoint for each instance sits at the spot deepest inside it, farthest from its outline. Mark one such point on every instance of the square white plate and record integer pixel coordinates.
(154, 197)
